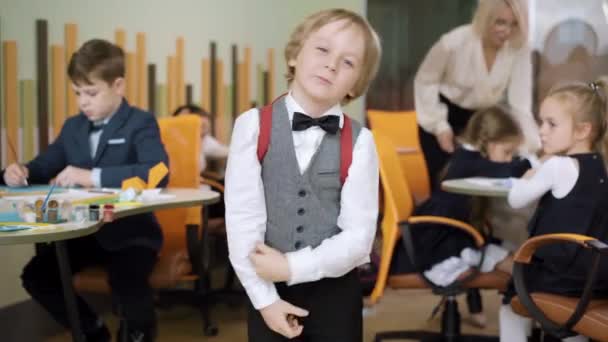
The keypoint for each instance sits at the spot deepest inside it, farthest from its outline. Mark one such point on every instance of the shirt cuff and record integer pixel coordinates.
(96, 177)
(302, 267)
(442, 126)
(263, 296)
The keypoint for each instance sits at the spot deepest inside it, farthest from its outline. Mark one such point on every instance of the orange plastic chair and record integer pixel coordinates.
(560, 315)
(180, 226)
(398, 207)
(401, 128)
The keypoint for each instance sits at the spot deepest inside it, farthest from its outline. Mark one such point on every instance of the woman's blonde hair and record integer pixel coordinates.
(372, 52)
(485, 15)
(586, 102)
(492, 124)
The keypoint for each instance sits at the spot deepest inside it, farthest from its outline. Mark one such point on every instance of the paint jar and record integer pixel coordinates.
(108, 212)
(79, 213)
(94, 212)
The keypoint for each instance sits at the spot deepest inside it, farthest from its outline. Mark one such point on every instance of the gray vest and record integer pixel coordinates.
(302, 210)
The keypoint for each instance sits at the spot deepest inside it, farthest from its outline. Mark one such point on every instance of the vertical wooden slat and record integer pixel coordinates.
(235, 83)
(152, 88)
(220, 100)
(242, 100)
(71, 41)
(188, 94)
(161, 100)
(58, 77)
(2, 154)
(11, 97)
(120, 38)
(171, 86)
(205, 84)
(131, 78)
(180, 95)
(271, 79)
(265, 81)
(247, 78)
(260, 84)
(142, 74)
(28, 119)
(213, 84)
(42, 71)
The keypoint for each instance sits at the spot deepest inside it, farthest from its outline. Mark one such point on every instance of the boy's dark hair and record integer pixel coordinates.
(190, 109)
(99, 59)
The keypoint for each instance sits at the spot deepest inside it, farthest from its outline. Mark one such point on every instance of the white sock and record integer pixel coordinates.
(577, 338)
(513, 327)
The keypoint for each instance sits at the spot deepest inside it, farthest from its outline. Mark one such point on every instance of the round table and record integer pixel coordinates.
(60, 233)
(477, 186)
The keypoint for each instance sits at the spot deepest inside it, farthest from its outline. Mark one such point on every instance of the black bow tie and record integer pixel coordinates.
(329, 123)
(96, 128)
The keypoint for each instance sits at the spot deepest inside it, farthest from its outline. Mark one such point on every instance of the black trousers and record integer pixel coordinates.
(435, 157)
(335, 311)
(128, 271)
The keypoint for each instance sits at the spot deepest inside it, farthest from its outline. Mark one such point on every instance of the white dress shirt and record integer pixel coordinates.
(211, 148)
(558, 174)
(246, 207)
(93, 144)
(455, 67)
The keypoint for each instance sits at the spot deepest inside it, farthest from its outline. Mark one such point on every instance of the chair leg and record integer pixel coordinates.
(204, 301)
(450, 320)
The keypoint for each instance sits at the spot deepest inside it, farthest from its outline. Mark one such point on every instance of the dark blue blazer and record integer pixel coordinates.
(129, 146)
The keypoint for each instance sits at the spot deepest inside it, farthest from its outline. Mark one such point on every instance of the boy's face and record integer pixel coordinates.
(99, 100)
(329, 63)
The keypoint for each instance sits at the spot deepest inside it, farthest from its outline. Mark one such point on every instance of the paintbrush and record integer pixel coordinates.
(14, 152)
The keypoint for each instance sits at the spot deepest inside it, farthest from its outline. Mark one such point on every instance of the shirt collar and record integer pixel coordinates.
(293, 106)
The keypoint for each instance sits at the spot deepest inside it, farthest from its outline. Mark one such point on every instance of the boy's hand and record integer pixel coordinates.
(269, 263)
(16, 175)
(281, 317)
(72, 175)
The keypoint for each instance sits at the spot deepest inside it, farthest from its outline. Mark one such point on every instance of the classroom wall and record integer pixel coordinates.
(260, 24)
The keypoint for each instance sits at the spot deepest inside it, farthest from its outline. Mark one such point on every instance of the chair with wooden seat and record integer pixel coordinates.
(398, 207)
(558, 315)
(401, 128)
(182, 257)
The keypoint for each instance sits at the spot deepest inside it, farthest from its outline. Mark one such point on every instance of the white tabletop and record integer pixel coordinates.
(182, 198)
(478, 186)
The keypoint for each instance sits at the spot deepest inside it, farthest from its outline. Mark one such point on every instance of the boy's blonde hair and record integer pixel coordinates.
(371, 57)
(485, 15)
(586, 102)
(492, 124)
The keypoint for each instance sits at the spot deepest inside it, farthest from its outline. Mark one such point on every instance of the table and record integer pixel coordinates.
(182, 198)
(477, 186)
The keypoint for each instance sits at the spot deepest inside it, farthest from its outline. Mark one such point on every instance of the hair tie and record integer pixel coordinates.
(594, 86)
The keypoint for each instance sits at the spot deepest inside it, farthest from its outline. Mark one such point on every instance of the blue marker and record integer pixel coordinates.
(46, 200)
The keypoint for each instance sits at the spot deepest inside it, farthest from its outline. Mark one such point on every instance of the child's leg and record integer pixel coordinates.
(513, 327)
(128, 274)
(474, 302)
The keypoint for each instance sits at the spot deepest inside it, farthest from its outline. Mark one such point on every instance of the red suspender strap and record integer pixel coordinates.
(265, 126)
(346, 148)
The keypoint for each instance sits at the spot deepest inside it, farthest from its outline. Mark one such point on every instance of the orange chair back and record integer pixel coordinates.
(402, 129)
(181, 136)
(398, 206)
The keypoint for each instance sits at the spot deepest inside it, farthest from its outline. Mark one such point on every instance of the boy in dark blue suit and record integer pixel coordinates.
(106, 143)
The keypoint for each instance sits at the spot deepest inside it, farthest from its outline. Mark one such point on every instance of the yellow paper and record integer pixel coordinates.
(156, 174)
(135, 182)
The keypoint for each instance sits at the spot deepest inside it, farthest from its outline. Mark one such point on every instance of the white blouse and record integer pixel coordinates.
(455, 67)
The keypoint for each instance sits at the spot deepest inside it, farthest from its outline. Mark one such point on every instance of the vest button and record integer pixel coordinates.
(299, 229)
(302, 193)
(301, 211)
(298, 244)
